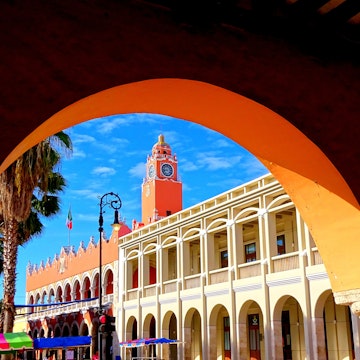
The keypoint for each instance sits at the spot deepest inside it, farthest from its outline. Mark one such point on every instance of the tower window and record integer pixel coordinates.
(168, 212)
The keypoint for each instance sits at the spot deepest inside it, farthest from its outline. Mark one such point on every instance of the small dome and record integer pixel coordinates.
(161, 147)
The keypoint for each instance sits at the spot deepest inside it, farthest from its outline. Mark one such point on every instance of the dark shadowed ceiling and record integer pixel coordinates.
(300, 58)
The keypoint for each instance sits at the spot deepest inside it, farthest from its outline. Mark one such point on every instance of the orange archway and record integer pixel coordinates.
(323, 198)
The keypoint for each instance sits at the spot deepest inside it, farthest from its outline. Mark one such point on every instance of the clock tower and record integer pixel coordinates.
(161, 189)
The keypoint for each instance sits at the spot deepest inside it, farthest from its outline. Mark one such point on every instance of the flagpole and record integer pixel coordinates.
(69, 224)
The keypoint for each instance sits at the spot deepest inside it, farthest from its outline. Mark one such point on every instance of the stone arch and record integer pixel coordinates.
(84, 329)
(74, 329)
(149, 326)
(170, 240)
(288, 327)
(166, 321)
(246, 212)
(130, 328)
(333, 324)
(109, 282)
(192, 334)
(37, 298)
(249, 309)
(76, 290)
(67, 292)
(131, 333)
(169, 330)
(312, 181)
(57, 331)
(86, 287)
(51, 295)
(59, 293)
(95, 284)
(216, 224)
(320, 303)
(66, 330)
(221, 338)
(191, 232)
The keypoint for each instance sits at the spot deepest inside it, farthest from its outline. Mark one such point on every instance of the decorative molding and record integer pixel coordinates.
(147, 303)
(168, 301)
(262, 212)
(249, 287)
(190, 297)
(317, 276)
(230, 222)
(130, 306)
(219, 292)
(282, 282)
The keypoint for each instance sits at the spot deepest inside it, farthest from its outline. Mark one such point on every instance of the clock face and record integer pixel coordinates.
(167, 170)
(151, 172)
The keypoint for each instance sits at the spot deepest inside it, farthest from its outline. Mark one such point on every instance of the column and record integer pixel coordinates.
(265, 256)
(305, 282)
(212, 341)
(356, 334)
(319, 339)
(277, 344)
(243, 341)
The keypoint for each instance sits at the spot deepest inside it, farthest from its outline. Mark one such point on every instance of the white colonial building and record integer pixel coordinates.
(235, 277)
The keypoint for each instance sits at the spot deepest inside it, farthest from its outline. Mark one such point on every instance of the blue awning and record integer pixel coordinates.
(62, 342)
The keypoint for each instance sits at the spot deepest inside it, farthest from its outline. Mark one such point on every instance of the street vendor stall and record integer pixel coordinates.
(67, 345)
(15, 342)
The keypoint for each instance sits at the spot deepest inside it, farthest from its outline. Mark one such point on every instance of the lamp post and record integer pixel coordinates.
(112, 200)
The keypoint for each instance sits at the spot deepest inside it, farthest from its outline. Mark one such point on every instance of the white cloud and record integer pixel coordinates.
(108, 148)
(82, 138)
(83, 193)
(138, 170)
(222, 143)
(103, 171)
(111, 123)
(220, 162)
(188, 166)
(77, 153)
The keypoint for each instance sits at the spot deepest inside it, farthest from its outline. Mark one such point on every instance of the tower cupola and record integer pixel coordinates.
(161, 147)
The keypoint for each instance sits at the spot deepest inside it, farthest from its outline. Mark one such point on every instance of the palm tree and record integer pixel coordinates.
(30, 183)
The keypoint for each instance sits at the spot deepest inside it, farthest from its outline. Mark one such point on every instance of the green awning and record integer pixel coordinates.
(15, 341)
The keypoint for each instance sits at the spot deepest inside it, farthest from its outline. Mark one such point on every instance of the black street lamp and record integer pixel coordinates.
(112, 200)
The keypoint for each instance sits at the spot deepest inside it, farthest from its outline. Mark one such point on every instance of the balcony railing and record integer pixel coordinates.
(52, 310)
(192, 282)
(250, 269)
(150, 290)
(219, 276)
(317, 257)
(286, 262)
(132, 294)
(170, 286)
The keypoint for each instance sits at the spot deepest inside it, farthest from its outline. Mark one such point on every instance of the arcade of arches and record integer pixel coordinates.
(313, 152)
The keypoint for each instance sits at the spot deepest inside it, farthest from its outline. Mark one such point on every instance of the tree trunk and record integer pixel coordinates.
(10, 260)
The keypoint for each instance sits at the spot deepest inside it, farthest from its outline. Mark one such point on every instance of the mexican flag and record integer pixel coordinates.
(69, 224)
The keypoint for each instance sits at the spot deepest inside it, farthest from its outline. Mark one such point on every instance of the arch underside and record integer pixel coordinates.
(317, 189)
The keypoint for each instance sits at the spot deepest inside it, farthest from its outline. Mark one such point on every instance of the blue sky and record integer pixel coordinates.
(110, 155)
